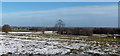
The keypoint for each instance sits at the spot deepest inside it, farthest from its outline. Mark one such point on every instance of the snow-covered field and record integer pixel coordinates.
(57, 44)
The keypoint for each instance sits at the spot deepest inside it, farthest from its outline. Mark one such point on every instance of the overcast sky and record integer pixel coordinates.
(80, 14)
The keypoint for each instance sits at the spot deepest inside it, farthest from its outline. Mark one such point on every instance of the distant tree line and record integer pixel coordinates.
(81, 31)
(106, 30)
(61, 29)
(67, 30)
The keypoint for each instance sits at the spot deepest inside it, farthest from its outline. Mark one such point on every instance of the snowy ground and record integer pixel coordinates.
(57, 44)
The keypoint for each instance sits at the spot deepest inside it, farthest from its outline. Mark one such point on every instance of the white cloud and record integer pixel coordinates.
(73, 16)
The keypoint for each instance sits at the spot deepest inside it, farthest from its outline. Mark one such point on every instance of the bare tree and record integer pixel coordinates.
(59, 26)
(6, 28)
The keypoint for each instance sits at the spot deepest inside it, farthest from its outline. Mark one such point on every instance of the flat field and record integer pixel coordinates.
(32, 43)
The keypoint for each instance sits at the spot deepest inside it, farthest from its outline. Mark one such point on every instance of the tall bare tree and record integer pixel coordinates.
(59, 26)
